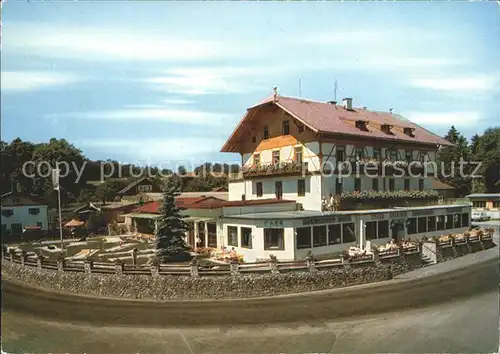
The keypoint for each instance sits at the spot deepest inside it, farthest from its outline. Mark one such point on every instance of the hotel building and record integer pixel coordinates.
(372, 168)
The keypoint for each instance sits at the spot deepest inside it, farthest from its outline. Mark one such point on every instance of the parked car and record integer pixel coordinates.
(480, 216)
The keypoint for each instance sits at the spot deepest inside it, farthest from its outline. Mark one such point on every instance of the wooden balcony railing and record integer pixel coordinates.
(275, 169)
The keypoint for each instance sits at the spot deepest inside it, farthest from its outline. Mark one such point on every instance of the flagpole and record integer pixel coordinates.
(60, 216)
(55, 182)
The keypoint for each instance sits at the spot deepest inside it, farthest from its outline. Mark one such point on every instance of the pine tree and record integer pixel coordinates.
(171, 227)
(449, 162)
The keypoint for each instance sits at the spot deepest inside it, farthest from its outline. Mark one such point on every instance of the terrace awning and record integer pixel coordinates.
(143, 216)
(197, 218)
(74, 223)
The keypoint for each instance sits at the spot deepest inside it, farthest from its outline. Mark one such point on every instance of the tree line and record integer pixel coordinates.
(81, 181)
(482, 173)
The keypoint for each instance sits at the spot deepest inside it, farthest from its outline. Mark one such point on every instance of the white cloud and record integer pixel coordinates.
(153, 114)
(32, 80)
(481, 83)
(156, 150)
(444, 118)
(88, 43)
(209, 80)
(171, 101)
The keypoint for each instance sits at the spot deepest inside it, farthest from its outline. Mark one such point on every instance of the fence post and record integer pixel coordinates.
(194, 268)
(134, 257)
(87, 266)
(60, 264)
(310, 263)
(119, 267)
(39, 260)
(273, 264)
(11, 254)
(23, 257)
(234, 267)
(155, 269)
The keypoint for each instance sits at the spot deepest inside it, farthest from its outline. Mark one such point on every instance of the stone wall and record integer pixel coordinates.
(169, 287)
(184, 287)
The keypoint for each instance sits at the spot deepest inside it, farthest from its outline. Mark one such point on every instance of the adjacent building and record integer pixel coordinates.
(487, 202)
(21, 211)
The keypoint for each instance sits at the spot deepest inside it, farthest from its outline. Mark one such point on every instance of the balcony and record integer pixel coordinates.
(386, 167)
(370, 199)
(282, 168)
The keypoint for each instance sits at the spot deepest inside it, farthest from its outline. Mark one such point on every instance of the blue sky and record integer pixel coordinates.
(151, 82)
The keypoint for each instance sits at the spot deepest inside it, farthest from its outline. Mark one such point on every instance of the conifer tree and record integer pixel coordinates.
(171, 227)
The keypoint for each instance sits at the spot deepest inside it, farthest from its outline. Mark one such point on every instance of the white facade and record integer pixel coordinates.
(396, 223)
(323, 184)
(23, 216)
(310, 201)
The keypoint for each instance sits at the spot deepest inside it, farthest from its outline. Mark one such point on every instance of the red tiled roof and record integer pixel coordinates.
(333, 119)
(236, 203)
(206, 203)
(150, 208)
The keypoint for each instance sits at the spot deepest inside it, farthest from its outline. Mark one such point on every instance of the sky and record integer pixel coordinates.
(166, 82)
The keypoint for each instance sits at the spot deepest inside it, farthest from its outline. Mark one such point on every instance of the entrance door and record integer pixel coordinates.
(398, 230)
(278, 188)
(212, 235)
(190, 234)
(201, 234)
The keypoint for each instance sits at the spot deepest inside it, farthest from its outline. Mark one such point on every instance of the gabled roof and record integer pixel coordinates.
(332, 119)
(18, 199)
(207, 203)
(133, 184)
(183, 202)
(484, 195)
(439, 185)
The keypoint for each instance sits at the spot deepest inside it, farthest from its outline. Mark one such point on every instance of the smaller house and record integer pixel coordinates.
(111, 212)
(204, 215)
(445, 190)
(136, 190)
(488, 202)
(20, 211)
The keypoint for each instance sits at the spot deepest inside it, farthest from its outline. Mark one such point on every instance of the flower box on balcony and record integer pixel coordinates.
(272, 169)
(369, 195)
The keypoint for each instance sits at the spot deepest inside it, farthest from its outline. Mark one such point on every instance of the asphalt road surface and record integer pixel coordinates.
(461, 314)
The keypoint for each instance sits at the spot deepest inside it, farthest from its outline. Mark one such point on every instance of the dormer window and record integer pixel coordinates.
(361, 125)
(409, 131)
(386, 128)
(256, 160)
(266, 132)
(286, 127)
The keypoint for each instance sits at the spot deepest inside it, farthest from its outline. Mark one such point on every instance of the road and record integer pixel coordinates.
(466, 326)
(451, 307)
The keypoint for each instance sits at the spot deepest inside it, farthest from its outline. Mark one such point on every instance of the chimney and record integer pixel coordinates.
(275, 94)
(347, 103)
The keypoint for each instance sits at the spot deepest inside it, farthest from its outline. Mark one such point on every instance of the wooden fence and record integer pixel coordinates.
(196, 270)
